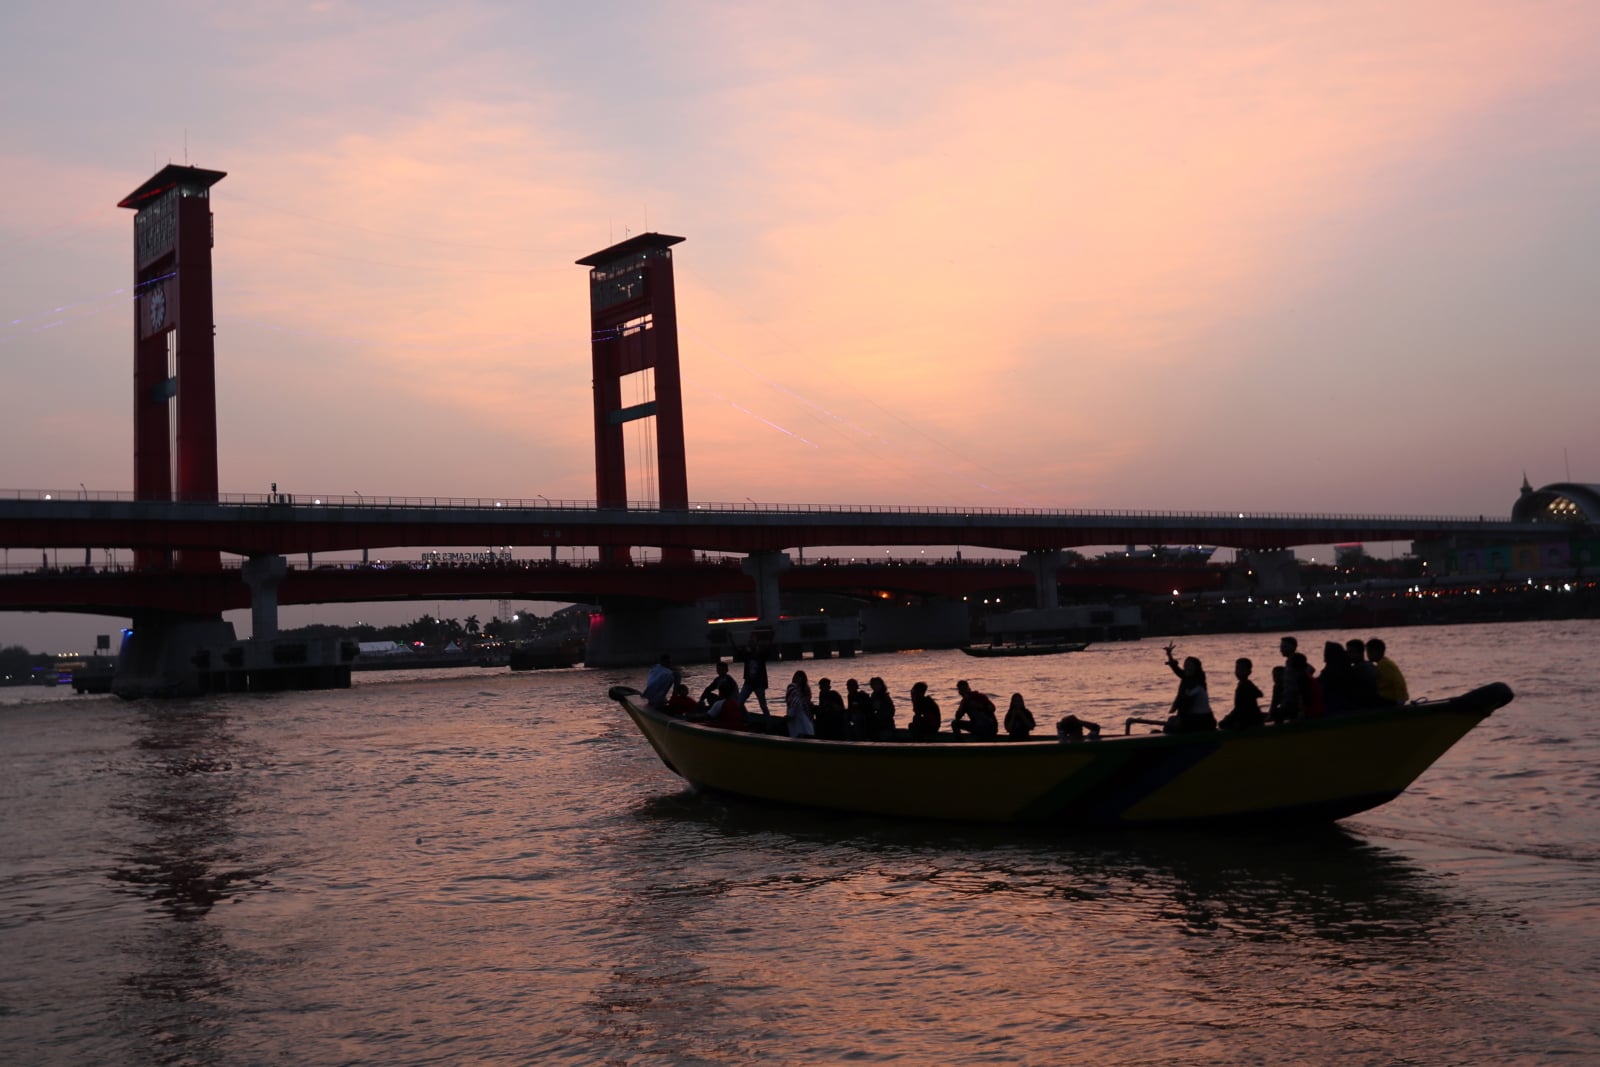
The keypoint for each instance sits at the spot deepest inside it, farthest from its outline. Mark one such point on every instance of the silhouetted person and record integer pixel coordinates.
(755, 676)
(1286, 702)
(882, 708)
(658, 684)
(925, 716)
(975, 714)
(857, 712)
(797, 703)
(830, 717)
(1191, 708)
(682, 705)
(1278, 711)
(1072, 728)
(1246, 711)
(1338, 680)
(1019, 720)
(722, 688)
(1391, 683)
(1366, 673)
(1308, 690)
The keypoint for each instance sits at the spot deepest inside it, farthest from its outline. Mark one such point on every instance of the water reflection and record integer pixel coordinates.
(1323, 882)
(658, 993)
(186, 794)
(1159, 942)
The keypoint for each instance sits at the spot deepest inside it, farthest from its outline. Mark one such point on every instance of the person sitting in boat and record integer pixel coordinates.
(1366, 673)
(925, 717)
(882, 709)
(830, 716)
(1246, 711)
(1019, 720)
(1072, 728)
(1286, 684)
(1391, 684)
(1278, 710)
(975, 714)
(797, 703)
(1338, 680)
(1191, 708)
(1308, 688)
(857, 712)
(729, 714)
(658, 684)
(722, 688)
(682, 705)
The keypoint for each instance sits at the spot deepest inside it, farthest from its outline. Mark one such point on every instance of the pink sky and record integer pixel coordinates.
(1297, 257)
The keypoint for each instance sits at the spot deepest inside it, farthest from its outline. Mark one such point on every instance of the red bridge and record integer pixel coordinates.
(180, 527)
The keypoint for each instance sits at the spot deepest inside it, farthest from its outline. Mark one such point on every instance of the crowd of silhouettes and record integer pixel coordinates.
(1356, 675)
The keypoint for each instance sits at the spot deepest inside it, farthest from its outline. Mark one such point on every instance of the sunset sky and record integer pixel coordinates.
(1328, 257)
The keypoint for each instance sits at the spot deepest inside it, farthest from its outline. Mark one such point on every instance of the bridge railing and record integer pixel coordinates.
(543, 503)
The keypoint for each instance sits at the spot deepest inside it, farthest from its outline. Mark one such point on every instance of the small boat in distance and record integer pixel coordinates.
(1027, 648)
(1309, 770)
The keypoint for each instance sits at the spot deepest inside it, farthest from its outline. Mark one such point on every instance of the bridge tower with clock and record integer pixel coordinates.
(633, 322)
(174, 361)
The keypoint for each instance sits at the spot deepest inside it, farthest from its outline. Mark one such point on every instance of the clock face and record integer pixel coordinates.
(158, 307)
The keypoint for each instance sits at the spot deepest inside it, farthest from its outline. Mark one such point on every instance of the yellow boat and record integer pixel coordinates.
(1312, 770)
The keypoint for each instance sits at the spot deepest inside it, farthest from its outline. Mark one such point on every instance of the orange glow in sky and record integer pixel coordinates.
(1329, 257)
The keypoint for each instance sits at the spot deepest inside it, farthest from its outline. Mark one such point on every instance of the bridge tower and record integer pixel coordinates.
(633, 322)
(174, 354)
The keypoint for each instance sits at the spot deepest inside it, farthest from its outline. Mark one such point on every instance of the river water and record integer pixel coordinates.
(495, 868)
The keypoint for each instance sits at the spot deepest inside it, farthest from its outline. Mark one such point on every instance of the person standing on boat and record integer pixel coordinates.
(925, 717)
(755, 676)
(797, 702)
(975, 714)
(882, 709)
(1191, 708)
(1391, 683)
(658, 684)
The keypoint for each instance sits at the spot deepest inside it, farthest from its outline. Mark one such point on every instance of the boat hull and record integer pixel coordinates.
(1314, 770)
(1025, 650)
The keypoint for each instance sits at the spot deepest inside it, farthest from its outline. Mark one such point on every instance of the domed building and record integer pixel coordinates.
(1561, 502)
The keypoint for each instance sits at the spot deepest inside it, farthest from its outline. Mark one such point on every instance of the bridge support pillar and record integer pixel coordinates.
(160, 652)
(1044, 565)
(636, 636)
(262, 574)
(765, 567)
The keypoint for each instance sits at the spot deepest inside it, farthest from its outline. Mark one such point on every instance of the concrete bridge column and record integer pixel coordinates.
(1044, 565)
(765, 567)
(262, 574)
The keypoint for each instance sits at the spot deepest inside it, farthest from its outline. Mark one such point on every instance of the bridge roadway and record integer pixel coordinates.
(257, 525)
(115, 591)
